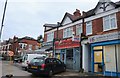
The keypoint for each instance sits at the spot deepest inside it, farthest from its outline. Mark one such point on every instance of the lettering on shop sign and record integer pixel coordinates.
(105, 37)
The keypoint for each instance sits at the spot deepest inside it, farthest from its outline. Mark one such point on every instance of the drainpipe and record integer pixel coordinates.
(58, 25)
(53, 48)
(81, 35)
(116, 61)
(81, 69)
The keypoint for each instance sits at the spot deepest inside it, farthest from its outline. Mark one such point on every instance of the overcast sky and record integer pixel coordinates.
(27, 17)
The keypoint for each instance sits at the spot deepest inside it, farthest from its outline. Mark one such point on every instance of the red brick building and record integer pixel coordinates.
(99, 33)
(19, 45)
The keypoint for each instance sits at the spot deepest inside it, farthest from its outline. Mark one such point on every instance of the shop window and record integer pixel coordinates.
(109, 58)
(98, 48)
(98, 67)
(98, 56)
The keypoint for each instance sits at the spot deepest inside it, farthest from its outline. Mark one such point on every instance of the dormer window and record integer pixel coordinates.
(109, 22)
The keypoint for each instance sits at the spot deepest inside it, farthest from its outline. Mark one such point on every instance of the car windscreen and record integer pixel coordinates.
(37, 61)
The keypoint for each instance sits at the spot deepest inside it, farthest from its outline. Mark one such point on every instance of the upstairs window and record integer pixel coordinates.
(22, 45)
(109, 22)
(30, 47)
(78, 29)
(67, 32)
(50, 36)
(89, 28)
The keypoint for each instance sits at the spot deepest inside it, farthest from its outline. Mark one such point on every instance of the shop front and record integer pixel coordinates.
(105, 51)
(69, 53)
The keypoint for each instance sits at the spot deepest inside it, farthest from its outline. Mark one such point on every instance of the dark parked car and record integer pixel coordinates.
(46, 66)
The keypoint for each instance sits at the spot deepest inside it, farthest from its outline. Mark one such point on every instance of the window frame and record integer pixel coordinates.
(111, 16)
(50, 36)
(78, 28)
(67, 32)
(88, 24)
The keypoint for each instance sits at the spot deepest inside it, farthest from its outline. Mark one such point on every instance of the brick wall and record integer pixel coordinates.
(60, 34)
(55, 34)
(84, 28)
(31, 42)
(97, 26)
(45, 37)
(118, 20)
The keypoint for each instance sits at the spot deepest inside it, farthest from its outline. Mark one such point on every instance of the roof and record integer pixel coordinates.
(72, 17)
(92, 11)
(27, 38)
(50, 25)
(118, 4)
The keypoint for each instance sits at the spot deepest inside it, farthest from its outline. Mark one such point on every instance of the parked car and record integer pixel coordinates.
(46, 66)
(17, 60)
(28, 57)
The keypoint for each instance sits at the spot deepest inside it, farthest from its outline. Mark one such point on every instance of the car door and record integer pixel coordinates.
(58, 65)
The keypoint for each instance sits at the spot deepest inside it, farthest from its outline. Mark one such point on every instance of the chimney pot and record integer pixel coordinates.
(77, 13)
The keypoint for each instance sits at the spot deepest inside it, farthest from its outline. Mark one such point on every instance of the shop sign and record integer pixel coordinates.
(105, 37)
(76, 38)
(66, 44)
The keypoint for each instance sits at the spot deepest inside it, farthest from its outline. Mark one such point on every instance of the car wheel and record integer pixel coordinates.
(50, 73)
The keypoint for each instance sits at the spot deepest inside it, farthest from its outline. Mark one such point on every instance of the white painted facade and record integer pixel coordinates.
(118, 56)
(67, 20)
(109, 7)
(47, 28)
(86, 56)
(102, 14)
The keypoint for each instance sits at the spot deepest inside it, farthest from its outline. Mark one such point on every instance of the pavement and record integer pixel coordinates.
(72, 73)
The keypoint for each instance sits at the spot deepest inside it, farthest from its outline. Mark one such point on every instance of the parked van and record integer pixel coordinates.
(28, 57)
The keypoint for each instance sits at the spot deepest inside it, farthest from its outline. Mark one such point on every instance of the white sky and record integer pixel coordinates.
(27, 17)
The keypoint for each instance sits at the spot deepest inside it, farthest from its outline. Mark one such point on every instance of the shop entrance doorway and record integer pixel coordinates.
(69, 58)
(98, 60)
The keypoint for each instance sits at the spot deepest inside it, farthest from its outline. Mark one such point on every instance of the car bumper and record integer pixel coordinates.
(39, 72)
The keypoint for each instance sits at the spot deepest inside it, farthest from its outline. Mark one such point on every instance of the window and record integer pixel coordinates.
(30, 47)
(37, 47)
(78, 29)
(50, 36)
(109, 22)
(67, 32)
(89, 28)
(23, 45)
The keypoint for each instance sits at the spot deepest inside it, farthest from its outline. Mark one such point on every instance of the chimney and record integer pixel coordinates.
(77, 13)
(15, 38)
(83, 13)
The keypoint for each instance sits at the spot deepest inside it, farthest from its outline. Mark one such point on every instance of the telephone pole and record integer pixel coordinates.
(2, 23)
